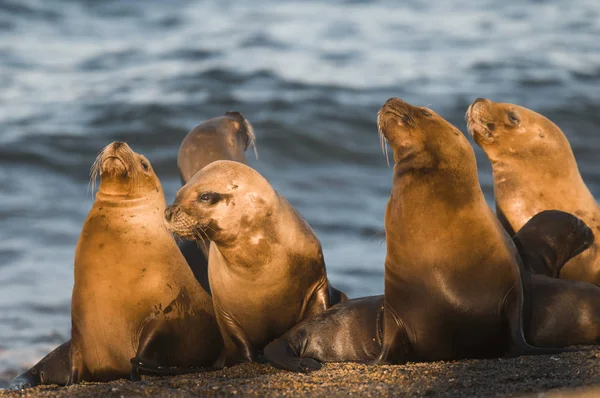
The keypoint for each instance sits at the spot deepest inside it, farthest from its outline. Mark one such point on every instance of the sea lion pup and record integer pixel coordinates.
(563, 312)
(534, 169)
(352, 331)
(220, 138)
(266, 267)
(453, 286)
(134, 298)
(549, 239)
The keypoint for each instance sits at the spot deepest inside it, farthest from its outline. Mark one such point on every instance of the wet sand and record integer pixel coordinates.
(566, 374)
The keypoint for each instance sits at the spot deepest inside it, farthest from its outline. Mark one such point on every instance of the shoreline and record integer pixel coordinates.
(527, 376)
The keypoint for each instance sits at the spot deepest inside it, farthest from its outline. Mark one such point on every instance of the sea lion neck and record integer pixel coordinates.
(122, 199)
(516, 182)
(455, 188)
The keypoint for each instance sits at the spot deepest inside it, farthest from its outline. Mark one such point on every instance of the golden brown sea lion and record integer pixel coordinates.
(220, 138)
(453, 277)
(129, 270)
(563, 312)
(135, 300)
(534, 169)
(266, 266)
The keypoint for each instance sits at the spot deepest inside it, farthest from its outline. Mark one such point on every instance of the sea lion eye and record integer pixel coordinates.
(426, 113)
(209, 197)
(513, 118)
(144, 165)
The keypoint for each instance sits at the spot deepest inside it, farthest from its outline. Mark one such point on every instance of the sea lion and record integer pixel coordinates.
(563, 312)
(54, 368)
(266, 267)
(551, 238)
(453, 277)
(128, 269)
(134, 300)
(220, 138)
(534, 169)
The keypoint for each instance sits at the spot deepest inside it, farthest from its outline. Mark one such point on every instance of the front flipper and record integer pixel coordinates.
(550, 239)
(236, 346)
(317, 302)
(515, 315)
(395, 344)
(79, 371)
(336, 296)
(187, 344)
(54, 368)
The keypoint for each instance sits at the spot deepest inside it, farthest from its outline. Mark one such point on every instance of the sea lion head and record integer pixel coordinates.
(224, 200)
(221, 138)
(420, 138)
(556, 233)
(124, 173)
(507, 130)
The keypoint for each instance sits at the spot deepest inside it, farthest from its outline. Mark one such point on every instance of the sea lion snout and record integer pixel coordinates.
(115, 159)
(588, 235)
(169, 211)
(180, 223)
(479, 120)
(479, 110)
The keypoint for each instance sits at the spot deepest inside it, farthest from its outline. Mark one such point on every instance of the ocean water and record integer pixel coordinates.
(310, 76)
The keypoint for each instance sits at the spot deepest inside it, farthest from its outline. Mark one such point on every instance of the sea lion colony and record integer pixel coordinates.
(231, 272)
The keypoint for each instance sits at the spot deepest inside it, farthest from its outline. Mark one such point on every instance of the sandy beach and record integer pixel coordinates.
(566, 374)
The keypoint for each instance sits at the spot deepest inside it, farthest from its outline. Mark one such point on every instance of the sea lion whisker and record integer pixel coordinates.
(382, 139)
(251, 136)
(201, 237)
(379, 237)
(95, 169)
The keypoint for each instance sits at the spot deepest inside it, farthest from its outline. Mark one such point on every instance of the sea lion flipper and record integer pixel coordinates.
(550, 239)
(519, 344)
(54, 368)
(282, 355)
(336, 296)
(395, 343)
(78, 371)
(236, 346)
(318, 301)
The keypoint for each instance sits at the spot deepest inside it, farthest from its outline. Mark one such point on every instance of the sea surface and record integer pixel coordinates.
(310, 76)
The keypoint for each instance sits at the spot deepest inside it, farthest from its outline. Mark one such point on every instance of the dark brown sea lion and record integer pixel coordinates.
(551, 238)
(135, 300)
(266, 266)
(563, 312)
(534, 169)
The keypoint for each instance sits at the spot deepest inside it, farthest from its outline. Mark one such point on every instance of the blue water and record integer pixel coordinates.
(76, 75)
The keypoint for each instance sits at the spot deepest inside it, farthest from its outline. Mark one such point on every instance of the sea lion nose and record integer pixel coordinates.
(117, 144)
(168, 213)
